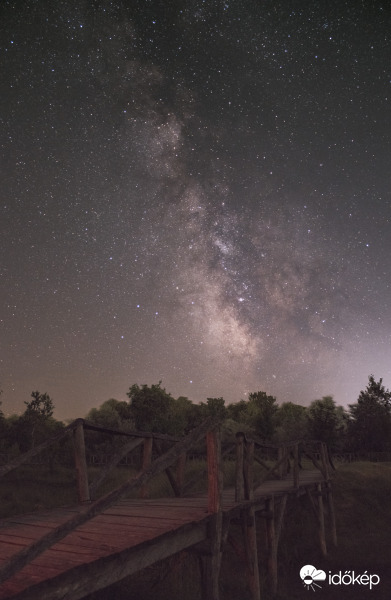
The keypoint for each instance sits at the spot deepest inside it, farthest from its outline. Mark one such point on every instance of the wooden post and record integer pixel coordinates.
(322, 534)
(249, 471)
(211, 563)
(271, 542)
(215, 477)
(239, 479)
(180, 472)
(250, 538)
(283, 460)
(146, 463)
(296, 466)
(325, 461)
(333, 524)
(81, 463)
(273, 531)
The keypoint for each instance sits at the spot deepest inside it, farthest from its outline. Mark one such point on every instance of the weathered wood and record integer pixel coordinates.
(146, 464)
(170, 475)
(80, 581)
(17, 462)
(136, 530)
(324, 460)
(296, 470)
(239, 471)
(273, 529)
(113, 463)
(248, 470)
(81, 463)
(180, 472)
(281, 460)
(261, 462)
(133, 434)
(316, 464)
(333, 524)
(271, 542)
(28, 554)
(215, 474)
(322, 533)
(280, 519)
(211, 562)
(250, 540)
(272, 470)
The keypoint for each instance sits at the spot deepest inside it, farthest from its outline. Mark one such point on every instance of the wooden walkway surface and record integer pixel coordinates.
(125, 538)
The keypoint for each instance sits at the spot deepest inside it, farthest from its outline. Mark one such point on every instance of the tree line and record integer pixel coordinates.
(364, 426)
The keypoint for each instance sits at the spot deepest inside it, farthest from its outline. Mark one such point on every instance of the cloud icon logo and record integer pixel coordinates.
(310, 575)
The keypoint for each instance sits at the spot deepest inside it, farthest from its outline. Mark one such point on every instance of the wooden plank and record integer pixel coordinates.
(128, 526)
(85, 579)
(28, 554)
(81, 463)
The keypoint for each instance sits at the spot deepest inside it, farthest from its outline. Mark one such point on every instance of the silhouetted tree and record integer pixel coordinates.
(323, 421)
(261, 411)
(214, 407)
(370, 424)
(290, 422)
(152, 408)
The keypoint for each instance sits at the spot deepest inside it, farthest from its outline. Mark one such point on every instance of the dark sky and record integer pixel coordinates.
(196, 192)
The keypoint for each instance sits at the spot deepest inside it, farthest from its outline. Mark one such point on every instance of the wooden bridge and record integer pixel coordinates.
(73, 551)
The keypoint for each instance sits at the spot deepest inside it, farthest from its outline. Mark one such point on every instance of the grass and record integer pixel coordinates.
(362, 493)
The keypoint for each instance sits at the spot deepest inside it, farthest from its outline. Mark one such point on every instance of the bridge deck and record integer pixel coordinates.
(122, 540)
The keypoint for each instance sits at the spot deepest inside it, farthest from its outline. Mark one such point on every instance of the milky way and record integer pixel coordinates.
(196, 193)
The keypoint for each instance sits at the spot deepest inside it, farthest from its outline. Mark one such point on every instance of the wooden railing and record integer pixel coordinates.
(287, 458)
(208, 430)
(277, 461)
(76, 431)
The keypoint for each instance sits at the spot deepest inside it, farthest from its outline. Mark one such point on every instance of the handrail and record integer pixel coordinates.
(209, 429)
(142, 434)
(245, 457)
(20, 460)
(25, 556)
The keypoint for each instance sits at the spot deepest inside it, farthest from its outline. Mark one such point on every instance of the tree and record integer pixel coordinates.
(323, 421)
(37, 418)
(36, 423)
(237, 411)
(214, 407)
(370, 423)
(113, 414)
(152, 408)
(40, 406)
(261, 411)
(186, 415)
(291, 422)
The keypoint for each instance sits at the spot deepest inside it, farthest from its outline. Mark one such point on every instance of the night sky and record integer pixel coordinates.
(196, 192)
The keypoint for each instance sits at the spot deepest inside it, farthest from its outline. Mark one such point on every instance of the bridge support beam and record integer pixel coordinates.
(211, 562)
(273, 532)
(146, 464)
(81, 463)
(250, 541)
(322, 531)
(318, 509)
(333, 524)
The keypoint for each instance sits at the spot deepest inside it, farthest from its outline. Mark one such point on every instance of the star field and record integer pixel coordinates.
(197, 192)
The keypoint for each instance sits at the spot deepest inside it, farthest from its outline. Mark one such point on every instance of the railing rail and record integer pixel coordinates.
(208, 429)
